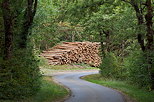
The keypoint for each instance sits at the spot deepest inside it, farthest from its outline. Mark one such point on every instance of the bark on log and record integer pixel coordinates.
(74, 52)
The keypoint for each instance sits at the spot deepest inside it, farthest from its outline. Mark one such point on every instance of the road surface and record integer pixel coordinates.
(83, 91)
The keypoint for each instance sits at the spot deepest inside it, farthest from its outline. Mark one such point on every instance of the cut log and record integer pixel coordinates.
(74, 52)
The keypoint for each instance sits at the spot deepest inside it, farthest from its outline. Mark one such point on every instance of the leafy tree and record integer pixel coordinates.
(50, 28)
(18, 69)
(144, 16)
(127, 21)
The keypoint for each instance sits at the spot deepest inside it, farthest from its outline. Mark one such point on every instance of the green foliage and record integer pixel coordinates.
(19, 76)
(43, 33)
(134, 68)
(82, 20)
(49, 92)
(137, 69)
(75, 20)
(49, 28)
(111, 67)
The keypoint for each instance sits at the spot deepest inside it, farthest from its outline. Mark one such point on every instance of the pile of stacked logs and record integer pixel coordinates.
(74, 52)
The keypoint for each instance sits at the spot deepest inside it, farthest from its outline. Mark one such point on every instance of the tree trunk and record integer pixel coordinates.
(148, 47)
(107, 35)
(149, 35)
(29, 17)
(8, 26)
(149, 25)
(102, 45)
(73, 36)
(140, 18)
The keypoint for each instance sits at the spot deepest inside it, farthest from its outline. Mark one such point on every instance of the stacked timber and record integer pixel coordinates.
(74, 52)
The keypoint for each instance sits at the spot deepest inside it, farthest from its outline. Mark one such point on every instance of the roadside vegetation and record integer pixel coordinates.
(49, 92)
(137, 94)
(124, 29)
(69, 67)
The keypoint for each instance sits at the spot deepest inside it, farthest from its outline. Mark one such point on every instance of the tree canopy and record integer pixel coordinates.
(124, 29)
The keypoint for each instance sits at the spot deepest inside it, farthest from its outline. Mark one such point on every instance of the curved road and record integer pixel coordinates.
(83, 91)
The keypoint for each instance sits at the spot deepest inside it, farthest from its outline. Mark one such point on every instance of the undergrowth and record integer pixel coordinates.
(49, 92)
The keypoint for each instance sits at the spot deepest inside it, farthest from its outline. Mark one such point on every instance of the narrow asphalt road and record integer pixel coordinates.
(83, 91)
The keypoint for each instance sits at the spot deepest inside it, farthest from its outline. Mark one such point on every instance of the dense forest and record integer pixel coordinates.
(123, 27)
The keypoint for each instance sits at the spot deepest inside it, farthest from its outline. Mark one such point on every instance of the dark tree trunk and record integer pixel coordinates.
(8, 26)
(29, 17)
(149, 35)
(149, 25)
(102, 45)
(149, 46)
(107, 35)
(140, 18)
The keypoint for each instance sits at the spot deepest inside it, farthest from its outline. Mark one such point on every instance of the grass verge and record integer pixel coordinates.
(140, 95)
(49, 92)
(70, 67)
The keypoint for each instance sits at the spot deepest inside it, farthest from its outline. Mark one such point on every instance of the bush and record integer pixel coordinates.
(19, 77)
(137, 69)
(111, 67)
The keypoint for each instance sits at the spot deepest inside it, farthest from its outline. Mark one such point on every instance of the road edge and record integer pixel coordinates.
(69, 91)
(125, 96)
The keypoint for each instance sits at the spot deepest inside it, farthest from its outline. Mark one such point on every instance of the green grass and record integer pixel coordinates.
(68, 67)
(49, 92)
(140, 95)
